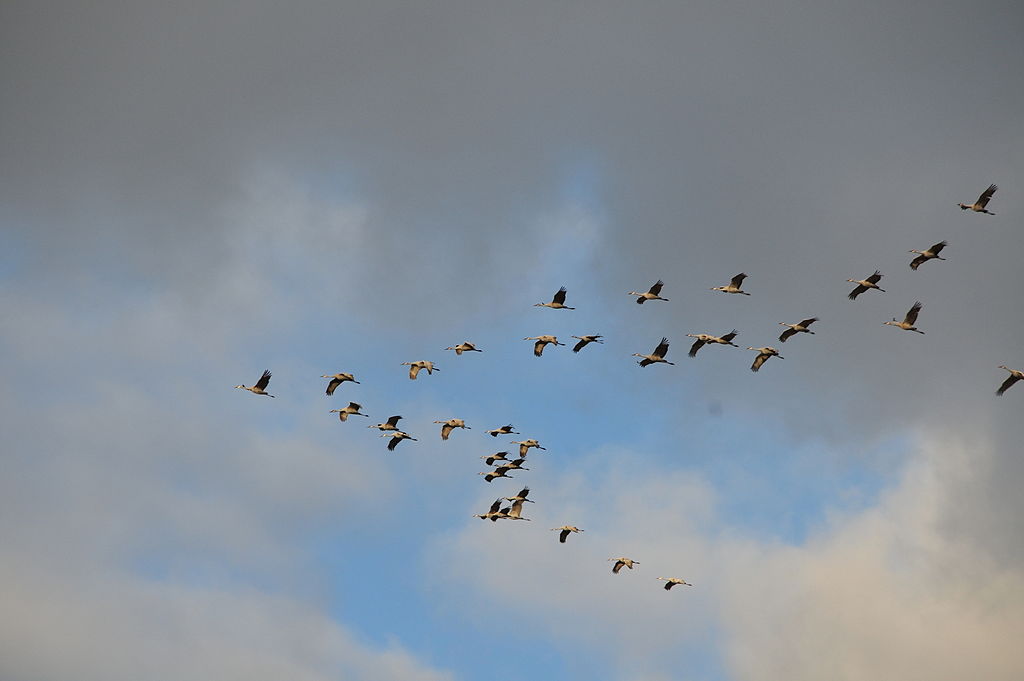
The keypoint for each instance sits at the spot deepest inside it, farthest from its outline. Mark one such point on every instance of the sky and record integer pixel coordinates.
(194, 194)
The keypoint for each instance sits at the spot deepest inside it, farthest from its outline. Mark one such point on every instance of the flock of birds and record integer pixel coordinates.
(501, 462)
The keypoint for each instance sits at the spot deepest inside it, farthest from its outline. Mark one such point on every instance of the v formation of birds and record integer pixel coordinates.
(502, 464)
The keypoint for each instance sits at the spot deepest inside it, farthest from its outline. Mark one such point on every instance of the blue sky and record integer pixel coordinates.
(195, 195)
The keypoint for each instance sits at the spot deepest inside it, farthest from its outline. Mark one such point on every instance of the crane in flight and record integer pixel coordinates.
(260, 388)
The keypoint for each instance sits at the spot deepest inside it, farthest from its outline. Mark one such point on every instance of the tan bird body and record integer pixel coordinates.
(260, 388)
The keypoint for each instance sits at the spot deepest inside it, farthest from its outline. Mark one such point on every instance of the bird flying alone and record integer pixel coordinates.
(585, 340)
(802, 326)
(538, 347)
(908, 322)
(864, 284)
(703, 338)
(563, 532)
(1014, 376)
(261, 385)
(451, 424)
(924, 256)
(524, 446)
(654, 293)
(414, 368)
(657, 356)
(673, 581)
(622, 562)
(762, 357)
(734, 285)
(504, 430)
(463, 347)
(351, 410)
(979, 205)
(336, 380)
(557, 302)
(390, 424)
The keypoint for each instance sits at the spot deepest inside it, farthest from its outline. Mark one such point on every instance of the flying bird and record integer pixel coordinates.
(396, 437)
(414, 368)
(734, 285)
(504, 430)
(515, 511)
(585, 340)
(450, 425)
(924, 256)
(623, 562)
(464, 347)
(538, 347)
(525, 445)
(1014, 376)
(261, 385)
(654, 293)
(799, 328)
(672, 581)
(336, 380)
(762, 357)
(703, 338)
(493, 514)
(351, 410)
(657, 356)
(558, 302)
(516, 464)
(390, 424)
(864, 284)
(520, 496)
(499, 472)
(563, 532)
(908, 322)
(490, 459)
(979, 205)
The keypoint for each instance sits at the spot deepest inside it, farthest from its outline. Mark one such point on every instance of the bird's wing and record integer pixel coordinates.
(264, 380)
(912, 313)
(355, 405)
(697, 345)
(729, 336)
(861, 288)
(737, 281)
(986, 195)
(1010, 380)
(786, 335)
(874, 277)
(335, 382)
(393, 420)
(662, 348)
(414, 370)
(656, 289)
(807, 322)
(916, 262)
(579, 346)
(495, 506)
(446, 430)
(559, 297)
(618, 566)
(538, 348)
(758, 361)
(668, 585)
(393, 442)
(562, 535)
(524, 492)
(937, 248)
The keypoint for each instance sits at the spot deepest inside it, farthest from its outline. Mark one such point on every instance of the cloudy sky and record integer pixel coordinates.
(191, 195)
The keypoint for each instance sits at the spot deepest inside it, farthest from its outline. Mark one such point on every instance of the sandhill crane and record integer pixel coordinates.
(515, 511)
(261, 385)
(734, 285)
(558, 302)
(500, 456)
(799, 327)
(925, 256)
(525, 445)
(1010, 380)
(657, 356)
(390, 424)
(864, 284)
(516, 464)
(336, 380)
(908, 322)
(762, 357)
(703, 338)
(499, 472)
(493, 514)
(464, 347)
(520, 496)
(396, 437)
(538, 347)
(672, 581)
(585, 340)
(414, 368)
(979, 205)
(450, 425)
(504, 430)
(654, 293)
(351, 410)
(623, 562)
(563, 532)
